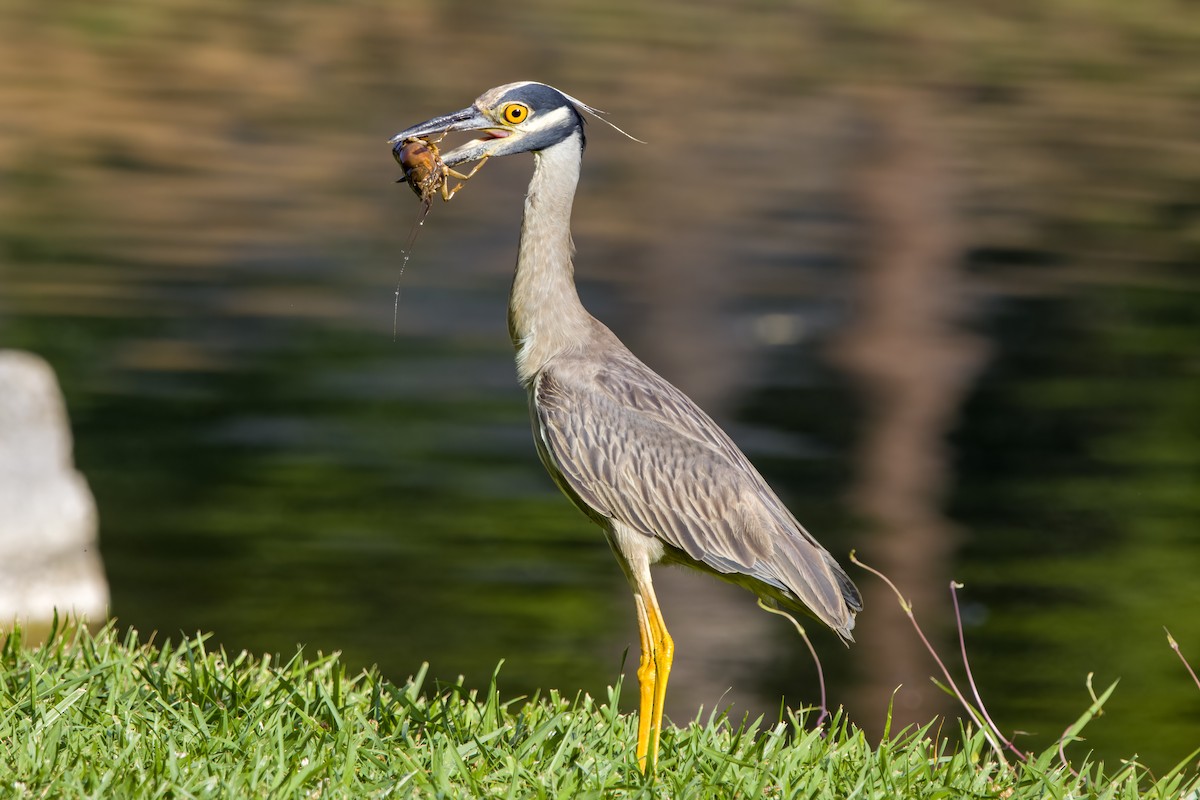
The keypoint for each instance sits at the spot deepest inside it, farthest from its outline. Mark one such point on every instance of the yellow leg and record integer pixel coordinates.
(654, 668)
(646, 679)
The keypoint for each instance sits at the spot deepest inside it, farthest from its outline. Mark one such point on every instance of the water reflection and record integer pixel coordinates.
(200, 231)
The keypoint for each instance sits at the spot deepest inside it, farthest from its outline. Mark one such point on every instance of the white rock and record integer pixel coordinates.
(49, 553)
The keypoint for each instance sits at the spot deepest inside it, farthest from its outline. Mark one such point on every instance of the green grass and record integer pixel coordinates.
(106, 715)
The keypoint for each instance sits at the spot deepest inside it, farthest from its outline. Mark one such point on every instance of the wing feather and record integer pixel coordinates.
(628, 446)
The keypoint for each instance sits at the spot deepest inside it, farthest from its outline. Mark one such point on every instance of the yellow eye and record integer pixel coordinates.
(514, 113)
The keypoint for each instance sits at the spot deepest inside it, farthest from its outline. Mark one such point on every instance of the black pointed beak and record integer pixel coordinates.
(468, 119)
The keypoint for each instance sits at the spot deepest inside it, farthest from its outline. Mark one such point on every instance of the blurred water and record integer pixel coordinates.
(933, 272)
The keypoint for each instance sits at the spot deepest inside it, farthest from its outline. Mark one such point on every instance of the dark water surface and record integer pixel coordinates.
(936, 275)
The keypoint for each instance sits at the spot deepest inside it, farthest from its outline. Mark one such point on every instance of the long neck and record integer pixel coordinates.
(545, 316)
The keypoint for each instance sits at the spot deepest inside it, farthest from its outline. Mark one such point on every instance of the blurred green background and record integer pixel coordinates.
(933, 266)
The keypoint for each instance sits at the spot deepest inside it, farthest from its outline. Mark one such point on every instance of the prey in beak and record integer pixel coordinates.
(468, 119)
(523, 117)
(426, 169)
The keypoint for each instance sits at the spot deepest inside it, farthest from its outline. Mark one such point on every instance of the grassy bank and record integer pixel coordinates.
(105, 715)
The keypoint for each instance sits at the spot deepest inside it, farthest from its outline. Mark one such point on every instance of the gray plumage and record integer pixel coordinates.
(630, 450)
(627, 446)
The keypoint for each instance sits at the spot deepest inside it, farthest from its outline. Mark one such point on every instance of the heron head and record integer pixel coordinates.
(514, 118)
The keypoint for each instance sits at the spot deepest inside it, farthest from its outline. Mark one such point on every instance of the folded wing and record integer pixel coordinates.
(633, 448)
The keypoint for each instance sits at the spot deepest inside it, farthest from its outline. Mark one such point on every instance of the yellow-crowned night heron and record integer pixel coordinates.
(630, 450)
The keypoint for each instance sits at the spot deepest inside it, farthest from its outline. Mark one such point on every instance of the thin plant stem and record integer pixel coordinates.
(812, 650)
(988, 731)
(1062, 751)
(1175, 646)
(962, 644)
(1062, 740)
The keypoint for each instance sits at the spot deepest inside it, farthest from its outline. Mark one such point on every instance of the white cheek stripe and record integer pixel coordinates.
(549, 120)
